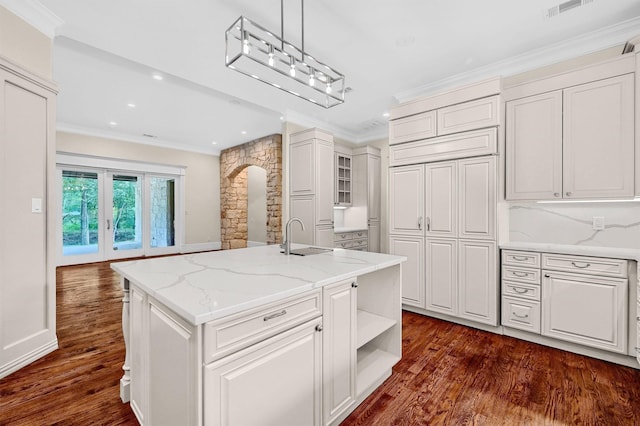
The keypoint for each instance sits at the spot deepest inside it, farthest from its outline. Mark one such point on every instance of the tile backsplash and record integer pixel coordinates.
(572, 223)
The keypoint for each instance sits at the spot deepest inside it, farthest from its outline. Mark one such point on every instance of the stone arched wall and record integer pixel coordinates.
(266, 153)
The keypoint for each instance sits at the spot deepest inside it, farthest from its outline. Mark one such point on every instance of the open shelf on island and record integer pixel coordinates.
(372, 363)
(371, 326)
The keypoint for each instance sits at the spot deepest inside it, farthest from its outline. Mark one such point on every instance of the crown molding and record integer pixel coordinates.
(584, 44)
(35, 14)
(336, 131)
(156, 142)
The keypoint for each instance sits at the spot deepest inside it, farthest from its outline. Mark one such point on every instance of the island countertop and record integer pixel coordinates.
(205, 286)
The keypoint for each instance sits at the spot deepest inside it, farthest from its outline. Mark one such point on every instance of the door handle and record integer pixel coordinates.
(108, 224)
(428, 223)
(420, 222)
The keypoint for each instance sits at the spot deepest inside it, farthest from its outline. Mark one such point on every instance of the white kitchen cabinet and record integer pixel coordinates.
(574, 143)
(477, 281)
(441, 199)
(477, 198)
(586, 309)
(311, 183)
(374, 237)
(413, 288)
(534, 147)
(324, 236)
(442, 275)
(468, 116)
(598, 139)
(339, 348)
(248, 387)
(344, 182)
(406, 200)
(414, 127)
(27, 218)
(367, 189)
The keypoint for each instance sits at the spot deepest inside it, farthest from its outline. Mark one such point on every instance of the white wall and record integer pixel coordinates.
(571, 223)
(256, 205)
(202, 179)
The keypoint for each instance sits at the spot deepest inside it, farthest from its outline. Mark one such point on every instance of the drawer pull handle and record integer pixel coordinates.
(547, 275)
(520, 274)
(276, 315)
(525, 316)
(520, 258)
(586, 265)
(521, 290)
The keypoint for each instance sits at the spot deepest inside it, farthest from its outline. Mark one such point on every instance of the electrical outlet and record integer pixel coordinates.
(598, 223)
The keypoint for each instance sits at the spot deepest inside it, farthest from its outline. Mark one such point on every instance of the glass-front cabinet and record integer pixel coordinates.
(343, 180)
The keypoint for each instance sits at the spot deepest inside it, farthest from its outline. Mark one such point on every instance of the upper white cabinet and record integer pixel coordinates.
(576, 142)
(343, 191)
(406, 200)
(311, 183)
(468, 116)
(412, 128)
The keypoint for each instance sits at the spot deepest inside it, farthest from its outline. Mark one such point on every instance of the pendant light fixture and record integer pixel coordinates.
(259, 53)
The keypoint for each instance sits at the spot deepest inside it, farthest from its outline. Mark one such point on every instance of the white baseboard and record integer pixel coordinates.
(27, 359)
(192, 248)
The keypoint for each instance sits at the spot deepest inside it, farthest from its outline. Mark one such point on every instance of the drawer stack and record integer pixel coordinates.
(356, 240)
(521, 290)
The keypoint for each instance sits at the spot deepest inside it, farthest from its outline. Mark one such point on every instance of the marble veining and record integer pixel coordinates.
(205, 286)
(571, 224)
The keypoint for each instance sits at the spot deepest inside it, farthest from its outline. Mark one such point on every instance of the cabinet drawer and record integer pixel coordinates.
(227, 335)
(585, 265)
(360, 234)
(343, 244)
(468, 116)
(521, 258)
(343, 236)
(460, 145)
(360, 242)
(412, 128)
(525, 291)
(521, 314)
(524, 275)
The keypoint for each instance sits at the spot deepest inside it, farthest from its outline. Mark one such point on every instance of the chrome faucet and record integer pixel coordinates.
(286, 244)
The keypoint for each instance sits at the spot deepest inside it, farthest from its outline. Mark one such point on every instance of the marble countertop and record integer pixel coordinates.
(609, 252)
(348, 229)
(205, 286)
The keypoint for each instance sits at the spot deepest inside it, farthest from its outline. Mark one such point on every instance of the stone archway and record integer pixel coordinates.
(266, 153)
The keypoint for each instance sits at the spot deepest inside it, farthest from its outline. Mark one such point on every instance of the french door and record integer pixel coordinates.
(107, 214)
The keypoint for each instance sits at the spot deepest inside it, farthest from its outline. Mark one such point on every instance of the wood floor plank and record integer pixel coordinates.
(449, 374)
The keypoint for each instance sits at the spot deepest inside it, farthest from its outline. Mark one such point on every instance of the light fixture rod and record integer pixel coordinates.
(282, 25)
(302, 19)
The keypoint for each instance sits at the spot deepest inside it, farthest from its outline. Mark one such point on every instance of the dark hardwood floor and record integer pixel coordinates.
(449, 374)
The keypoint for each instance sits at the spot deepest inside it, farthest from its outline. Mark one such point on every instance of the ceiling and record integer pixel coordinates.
(106, 52)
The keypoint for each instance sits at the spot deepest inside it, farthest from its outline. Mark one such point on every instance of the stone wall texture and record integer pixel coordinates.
(266, 153)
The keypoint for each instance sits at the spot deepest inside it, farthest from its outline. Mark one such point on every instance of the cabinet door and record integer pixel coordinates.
(324, 182)
(414, 127)
(173, 368)
(477, 198)
(534, 147)
(303, 207)
(374, 237)
(598, 145)
(585, 309)
(441, 275)
(478, 281)
(373, 187)
(412, 270)
(343, 180)
(406, 200)
(338, 348)
(324, 236)
(441, 199)
(302, 168)
(250, 387)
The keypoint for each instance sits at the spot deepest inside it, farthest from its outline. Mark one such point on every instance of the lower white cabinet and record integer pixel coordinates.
(248, 387)
(461, 279)
(585, 309)
(339, 348)
(413, 289)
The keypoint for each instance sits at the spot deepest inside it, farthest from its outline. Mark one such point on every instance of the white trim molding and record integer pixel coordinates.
(35, 14)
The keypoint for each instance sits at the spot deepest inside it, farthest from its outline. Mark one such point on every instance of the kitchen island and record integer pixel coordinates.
(251, 336)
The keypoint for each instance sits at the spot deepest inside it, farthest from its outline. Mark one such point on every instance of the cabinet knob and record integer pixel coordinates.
(568, 194)
(319, 327)
(556, 194)
(546, 275)
(354, 284)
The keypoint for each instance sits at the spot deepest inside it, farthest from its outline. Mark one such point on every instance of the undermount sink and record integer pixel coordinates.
(308, 251)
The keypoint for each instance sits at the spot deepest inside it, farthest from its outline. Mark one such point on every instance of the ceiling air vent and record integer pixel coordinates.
(147, 135)
(565, 7)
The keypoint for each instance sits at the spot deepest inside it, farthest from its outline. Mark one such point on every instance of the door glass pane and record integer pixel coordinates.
(162, 212)
(79, 212)
(127, 218)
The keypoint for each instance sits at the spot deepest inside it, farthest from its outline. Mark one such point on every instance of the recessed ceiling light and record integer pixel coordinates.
(214, 143)
(113, 123)
(282, 118)
(157, 77)
(131, 105)
(244, 132)
(385, 114)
